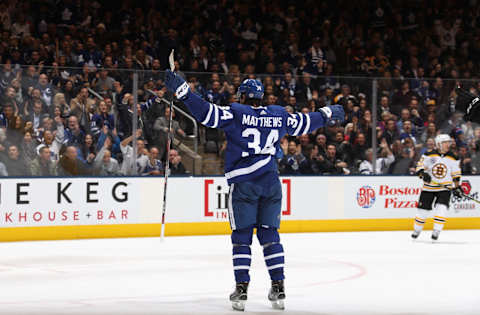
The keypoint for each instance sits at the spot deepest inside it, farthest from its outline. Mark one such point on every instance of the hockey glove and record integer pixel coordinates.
(457, 192)
(333, 113)
(425, 176)
(176, 84)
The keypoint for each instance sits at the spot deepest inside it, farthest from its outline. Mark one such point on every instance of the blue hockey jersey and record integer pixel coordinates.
(252, 133)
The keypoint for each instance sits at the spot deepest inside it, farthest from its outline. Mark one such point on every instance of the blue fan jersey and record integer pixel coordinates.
(252, 133)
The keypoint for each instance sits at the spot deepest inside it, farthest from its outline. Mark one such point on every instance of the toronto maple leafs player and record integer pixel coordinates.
(253, 132)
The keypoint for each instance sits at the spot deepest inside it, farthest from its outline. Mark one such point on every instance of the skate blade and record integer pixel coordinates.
(238, 306)
(278, 305)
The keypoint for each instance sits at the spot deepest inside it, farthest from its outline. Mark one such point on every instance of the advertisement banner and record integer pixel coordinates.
(131, 206)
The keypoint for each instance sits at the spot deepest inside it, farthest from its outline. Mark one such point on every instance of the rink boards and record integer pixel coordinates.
(71, 208)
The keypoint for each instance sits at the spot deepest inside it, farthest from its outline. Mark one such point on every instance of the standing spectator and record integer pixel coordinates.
(36, 115)
(161, 129)
(74, 135)
(140, 161)
(408, 132)
(154, 165)
(54, 140)
(103, 83)
(104, 163)
(87, 151)
(102, 118)
(46, 89)
(382, 163)
(79, 108)
(42, 165)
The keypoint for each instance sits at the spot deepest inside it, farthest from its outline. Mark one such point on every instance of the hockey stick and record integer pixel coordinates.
(167, 160)
(463, 194)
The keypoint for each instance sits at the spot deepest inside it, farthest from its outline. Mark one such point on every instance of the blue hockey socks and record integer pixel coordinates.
(242, 255)
(272, 251)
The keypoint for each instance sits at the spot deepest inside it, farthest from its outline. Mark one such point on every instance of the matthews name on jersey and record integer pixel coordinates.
(252, 133)
(443, 168)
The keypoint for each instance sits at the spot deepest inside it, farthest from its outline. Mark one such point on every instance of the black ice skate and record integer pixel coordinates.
(435, 235)
(277, 295)
(415, 234)
(239, 296)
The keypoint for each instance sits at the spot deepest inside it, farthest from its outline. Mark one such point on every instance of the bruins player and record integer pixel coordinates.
(440, 171)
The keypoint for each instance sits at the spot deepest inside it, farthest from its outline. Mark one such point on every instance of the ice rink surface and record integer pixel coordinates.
(327, 273)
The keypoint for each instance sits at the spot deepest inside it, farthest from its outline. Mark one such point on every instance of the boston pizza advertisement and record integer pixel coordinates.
(397, 197)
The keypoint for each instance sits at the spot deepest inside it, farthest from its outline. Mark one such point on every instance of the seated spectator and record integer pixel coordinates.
(70, 165)
(383, 162)
(465, 160)
(330, 164)
(3, 170)
(176, 165)
(359, 147)
(16, 166)
(293, 160)
(404, 163)
(312, 167)
(7, 117)
(43, 165)
(28, 148)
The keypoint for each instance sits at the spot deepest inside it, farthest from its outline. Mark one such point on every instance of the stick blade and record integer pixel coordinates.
(171, 60)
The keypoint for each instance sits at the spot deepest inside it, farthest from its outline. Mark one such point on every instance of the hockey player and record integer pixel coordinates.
(253, 132)
(440, 171)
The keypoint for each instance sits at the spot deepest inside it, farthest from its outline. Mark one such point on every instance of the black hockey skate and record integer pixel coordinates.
(277, 295)
(435, 235)
(239, 296)
(415, 234)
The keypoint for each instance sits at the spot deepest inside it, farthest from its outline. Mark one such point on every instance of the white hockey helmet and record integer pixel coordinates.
(442, 138)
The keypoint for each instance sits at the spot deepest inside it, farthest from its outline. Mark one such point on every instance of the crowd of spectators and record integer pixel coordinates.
(67, 69)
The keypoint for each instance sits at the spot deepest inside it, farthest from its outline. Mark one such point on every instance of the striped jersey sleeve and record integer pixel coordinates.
(207, 113)
(300, 123)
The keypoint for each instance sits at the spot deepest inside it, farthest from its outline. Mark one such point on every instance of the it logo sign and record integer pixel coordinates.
(366, 196)
(216, 198)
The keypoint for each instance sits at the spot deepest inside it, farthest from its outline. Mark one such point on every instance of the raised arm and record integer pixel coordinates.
(300, 123)
(208, 114)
